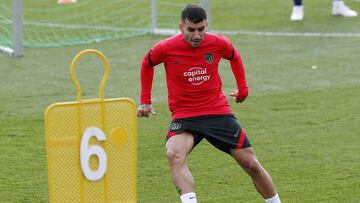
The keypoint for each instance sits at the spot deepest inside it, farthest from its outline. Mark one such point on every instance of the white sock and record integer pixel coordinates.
(274, 199)
(337, 2)
(188, 198)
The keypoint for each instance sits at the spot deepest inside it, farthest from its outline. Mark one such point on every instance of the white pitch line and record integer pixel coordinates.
(175, 31)
(7, 50)
(77, 26)
(289, 34)
(258, 33)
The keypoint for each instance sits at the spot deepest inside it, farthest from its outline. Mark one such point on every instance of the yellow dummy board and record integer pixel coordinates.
(91, 146)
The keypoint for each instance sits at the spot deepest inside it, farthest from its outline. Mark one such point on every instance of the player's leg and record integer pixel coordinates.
(177, 148)
(297, 11)
(298, 2)
(225, 133)
(246, 158)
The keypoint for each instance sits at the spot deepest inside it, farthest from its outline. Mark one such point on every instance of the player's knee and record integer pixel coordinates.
(175, 156)
(254, 168)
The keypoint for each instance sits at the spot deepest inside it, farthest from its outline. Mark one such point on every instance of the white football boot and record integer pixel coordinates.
(297, 13)
(340, 9)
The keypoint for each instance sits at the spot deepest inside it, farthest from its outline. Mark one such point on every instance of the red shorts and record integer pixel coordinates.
(222, 131)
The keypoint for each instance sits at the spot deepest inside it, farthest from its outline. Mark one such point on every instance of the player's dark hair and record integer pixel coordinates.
(193, 13)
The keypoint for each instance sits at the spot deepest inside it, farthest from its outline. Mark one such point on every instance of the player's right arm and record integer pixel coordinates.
(152, 58)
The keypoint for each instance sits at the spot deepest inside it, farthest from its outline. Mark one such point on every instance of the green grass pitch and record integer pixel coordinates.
(304, 123)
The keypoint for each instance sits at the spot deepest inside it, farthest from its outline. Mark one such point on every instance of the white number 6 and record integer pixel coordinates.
(86, 152)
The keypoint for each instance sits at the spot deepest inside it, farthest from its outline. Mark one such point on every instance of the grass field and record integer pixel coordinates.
(304, 123)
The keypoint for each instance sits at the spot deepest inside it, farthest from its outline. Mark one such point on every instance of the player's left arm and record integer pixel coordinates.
(237, 67)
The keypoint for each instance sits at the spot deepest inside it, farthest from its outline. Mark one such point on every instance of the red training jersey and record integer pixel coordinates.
(193, 81)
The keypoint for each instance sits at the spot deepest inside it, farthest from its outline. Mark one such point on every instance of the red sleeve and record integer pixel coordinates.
(152, 58)
(236, 63)
(237, 68)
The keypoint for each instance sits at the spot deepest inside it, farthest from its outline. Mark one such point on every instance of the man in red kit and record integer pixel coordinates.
(198, 105)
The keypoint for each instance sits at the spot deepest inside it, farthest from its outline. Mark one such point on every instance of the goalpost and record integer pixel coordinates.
(39, 23)
(163, 30)
(14, 47)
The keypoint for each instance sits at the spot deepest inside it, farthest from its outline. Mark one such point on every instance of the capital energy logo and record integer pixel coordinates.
(197, 75)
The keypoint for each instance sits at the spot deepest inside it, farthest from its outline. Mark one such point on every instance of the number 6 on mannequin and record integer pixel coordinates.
(86, 152)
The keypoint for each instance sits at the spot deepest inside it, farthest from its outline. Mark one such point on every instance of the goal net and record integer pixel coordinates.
(54, 23)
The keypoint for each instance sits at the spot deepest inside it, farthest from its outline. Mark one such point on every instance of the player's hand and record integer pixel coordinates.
(239, 95)
(144, 110)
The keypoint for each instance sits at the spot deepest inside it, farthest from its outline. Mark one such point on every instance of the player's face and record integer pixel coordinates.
(193, 32)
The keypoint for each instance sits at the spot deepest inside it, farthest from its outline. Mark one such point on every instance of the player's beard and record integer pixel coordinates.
(195, 42)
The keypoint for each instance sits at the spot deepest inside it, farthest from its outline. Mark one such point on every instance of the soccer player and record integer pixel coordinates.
(198, 105)
(338, 9)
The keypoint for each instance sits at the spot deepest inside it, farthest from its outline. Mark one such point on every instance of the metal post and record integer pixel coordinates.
(206, 5)
(17, 28)
(153, 16)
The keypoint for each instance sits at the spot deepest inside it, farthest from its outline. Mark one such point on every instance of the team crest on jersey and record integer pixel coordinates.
(209, 57)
